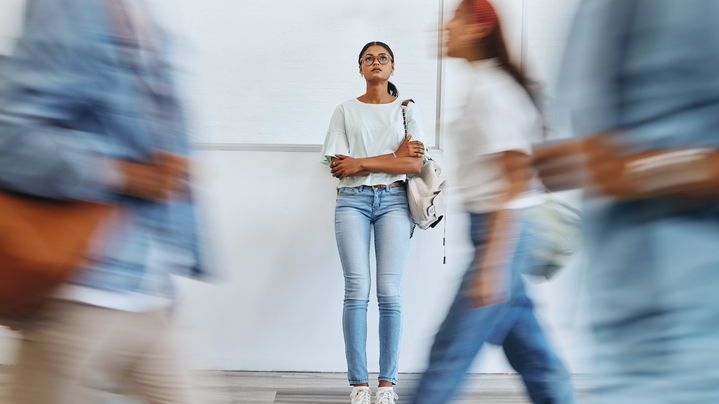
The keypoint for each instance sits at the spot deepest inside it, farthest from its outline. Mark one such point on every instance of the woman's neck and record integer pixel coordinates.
(377, 94)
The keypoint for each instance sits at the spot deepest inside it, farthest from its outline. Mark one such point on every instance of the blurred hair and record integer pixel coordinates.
(495, 46)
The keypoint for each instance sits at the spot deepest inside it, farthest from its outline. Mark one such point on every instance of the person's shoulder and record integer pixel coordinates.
(348, 104)
(61, 9)
(63, 19)
(492, 81)
(352, 106)
(497, 87)
(345, 107)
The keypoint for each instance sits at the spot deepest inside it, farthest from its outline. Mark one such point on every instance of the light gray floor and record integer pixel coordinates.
(326, 388)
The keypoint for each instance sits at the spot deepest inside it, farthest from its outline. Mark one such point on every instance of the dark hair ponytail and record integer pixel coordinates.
(391, 88)
(495, 46)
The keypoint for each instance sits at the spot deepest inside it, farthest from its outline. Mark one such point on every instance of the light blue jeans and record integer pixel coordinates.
(512, 325)
(360, 210)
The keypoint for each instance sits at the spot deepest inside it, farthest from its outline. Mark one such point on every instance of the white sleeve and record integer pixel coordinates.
(336, 139)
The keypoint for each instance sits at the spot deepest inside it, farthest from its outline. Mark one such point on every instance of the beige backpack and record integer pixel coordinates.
(426, 191)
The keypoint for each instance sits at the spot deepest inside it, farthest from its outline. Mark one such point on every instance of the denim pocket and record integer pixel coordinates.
(397, 191)
(347, 191)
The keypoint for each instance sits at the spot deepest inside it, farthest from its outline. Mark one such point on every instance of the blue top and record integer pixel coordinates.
(649, 69)
(75, 94)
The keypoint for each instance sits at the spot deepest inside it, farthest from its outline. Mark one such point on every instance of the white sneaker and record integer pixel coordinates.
(386, 395)
(361, 395)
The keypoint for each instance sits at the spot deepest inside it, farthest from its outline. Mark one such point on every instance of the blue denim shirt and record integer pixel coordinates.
(649, 69)
(73, 97)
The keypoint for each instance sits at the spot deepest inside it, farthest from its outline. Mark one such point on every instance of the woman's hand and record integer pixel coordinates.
(410, 148)
(489, 286)
(606, 169)
(492, 273)
(561, 165)
(157, 181)
(345, 166)
(593, 162)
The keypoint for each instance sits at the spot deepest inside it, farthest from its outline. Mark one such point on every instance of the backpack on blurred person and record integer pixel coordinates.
(557, 226)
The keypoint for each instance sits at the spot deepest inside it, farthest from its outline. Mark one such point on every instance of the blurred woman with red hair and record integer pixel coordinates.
(499, 124)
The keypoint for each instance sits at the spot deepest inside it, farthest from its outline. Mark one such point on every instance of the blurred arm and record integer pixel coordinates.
(491, 282)
(588, 90)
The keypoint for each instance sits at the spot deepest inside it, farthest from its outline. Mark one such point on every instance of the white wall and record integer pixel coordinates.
(278, 305)
(292, 61)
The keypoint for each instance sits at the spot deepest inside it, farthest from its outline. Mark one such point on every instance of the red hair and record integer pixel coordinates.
(494, 45)
(484, 12)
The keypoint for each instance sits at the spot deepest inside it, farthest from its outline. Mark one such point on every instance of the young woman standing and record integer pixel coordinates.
(367, 151)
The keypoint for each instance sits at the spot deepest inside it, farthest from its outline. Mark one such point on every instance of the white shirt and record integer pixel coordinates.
(363, 130)
(498, 116)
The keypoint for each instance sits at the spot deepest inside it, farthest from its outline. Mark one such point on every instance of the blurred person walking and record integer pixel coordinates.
(89, 112)
(495, 134)
(640, 84)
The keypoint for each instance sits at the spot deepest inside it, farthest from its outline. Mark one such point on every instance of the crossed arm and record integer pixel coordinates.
(407, 159)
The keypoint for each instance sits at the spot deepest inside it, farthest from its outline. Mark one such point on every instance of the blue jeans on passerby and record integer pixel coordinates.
(359, 211)
(512, 325)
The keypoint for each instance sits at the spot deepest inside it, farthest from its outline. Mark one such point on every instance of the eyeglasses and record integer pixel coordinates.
(368, 60)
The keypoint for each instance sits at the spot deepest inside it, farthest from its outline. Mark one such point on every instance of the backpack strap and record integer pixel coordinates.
(405, 104)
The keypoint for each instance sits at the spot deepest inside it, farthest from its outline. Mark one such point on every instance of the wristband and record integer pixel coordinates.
(667, 170)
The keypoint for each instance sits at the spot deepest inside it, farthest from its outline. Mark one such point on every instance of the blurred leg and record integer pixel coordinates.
(57, 354)
(529, 353)
(466, 329)
(460, 337)
(158, 374)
